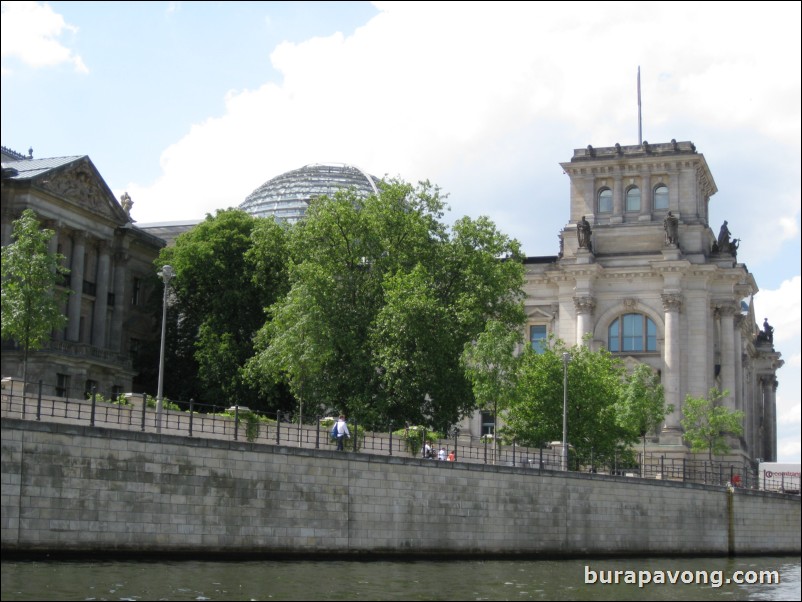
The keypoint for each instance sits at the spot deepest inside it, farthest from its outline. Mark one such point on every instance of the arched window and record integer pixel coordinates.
(633, 199)
(661, 197)
(605, 200)
(632, 333)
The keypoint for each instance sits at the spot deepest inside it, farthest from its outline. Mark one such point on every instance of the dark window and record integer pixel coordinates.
(136, 291)
(62, 385)
(488, 424)
(632, 333)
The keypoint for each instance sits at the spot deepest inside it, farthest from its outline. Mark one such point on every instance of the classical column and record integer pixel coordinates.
(770, 419)
(672, 303)
(101, 295)
(727, 351)
(618, 199)
(738, 393)
(584, 317)
(77, 286)
(646, 198)
(120, 300)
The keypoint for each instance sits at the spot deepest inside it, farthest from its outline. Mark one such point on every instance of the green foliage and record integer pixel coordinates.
(251, 425)
(227, 270)
(383, 298)
(414, 436)
(595, 385)
(642, 407)
(31, 302)
(707, 423)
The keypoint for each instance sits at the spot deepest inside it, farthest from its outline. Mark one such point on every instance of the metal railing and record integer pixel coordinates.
(190, 419)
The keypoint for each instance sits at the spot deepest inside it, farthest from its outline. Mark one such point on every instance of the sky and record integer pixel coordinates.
(190, 106)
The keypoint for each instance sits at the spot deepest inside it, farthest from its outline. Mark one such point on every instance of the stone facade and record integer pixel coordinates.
(657, 288)
(111, 275)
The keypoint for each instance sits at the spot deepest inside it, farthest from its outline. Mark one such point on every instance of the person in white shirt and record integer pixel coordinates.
(342, 432)
(441, 455)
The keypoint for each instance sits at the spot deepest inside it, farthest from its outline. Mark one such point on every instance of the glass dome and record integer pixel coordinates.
(287, 196)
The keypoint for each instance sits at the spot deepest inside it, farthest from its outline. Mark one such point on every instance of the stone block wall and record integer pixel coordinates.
(70, 488)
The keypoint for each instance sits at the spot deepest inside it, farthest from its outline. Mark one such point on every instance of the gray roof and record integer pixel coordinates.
(30, 168)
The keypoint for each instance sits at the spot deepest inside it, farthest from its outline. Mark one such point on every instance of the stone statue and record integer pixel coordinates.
(671, 225)
(768, 331)
(724, 238)
(127, 203)
(583, 233)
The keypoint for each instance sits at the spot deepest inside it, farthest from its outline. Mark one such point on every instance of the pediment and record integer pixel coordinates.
(80, 184)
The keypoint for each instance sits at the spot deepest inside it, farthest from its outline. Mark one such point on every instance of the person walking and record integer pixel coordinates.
(342, 432)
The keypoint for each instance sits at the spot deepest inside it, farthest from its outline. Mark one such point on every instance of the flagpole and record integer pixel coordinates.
(640, 125)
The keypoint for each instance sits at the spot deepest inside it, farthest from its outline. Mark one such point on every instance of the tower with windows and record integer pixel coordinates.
(641, 273)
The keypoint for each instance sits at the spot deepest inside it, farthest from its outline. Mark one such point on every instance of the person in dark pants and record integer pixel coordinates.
(342, 432)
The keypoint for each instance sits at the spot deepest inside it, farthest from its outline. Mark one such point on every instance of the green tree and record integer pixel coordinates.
(595, 385)
(707, 423)
(492, 364)
(31, 301)
(642, 408)
(228, 269)
(383, 299)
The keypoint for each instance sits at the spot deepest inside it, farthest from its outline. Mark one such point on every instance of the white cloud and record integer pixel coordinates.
(782, 309)
(30, 32)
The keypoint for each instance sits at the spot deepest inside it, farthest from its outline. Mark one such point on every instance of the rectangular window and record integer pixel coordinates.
(136, 291)
(62, 385)
(537, 337)
(488, 424)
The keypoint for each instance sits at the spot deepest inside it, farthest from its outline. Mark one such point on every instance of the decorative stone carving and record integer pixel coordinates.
(672, 302)
(584, 305)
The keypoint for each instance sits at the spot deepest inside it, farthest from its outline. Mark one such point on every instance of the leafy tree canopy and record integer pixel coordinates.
(31, 302)
(595, 384)
(707, 423)
(228, 269)
(383, 299)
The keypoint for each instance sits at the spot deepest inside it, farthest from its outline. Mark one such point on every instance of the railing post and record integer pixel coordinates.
(317, 432)
(278, 427)
(92, 414)
(391, 439)
(540, 463)
(236, 421)
(356, 430)
(485, 450)
(191, 413)
(456, 434)
(23, 400)
(39, 402)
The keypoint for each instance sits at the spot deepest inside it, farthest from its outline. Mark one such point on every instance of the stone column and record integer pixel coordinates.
(738, 394)
(727, 352)
(672, 304)
(646, 198)
(77, 286)
(618, 199)
(101, 295)
(673, 191)
(584, 316)
(770, 419)
(120, 300)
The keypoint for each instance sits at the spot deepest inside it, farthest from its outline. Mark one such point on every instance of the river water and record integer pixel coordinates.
(517, 580)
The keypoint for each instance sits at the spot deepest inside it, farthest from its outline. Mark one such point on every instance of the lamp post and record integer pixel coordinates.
(566, 359)
(166, 275)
